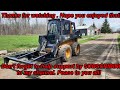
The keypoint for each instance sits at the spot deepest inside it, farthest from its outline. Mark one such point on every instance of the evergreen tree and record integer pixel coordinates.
(105, 27)
(94, 25)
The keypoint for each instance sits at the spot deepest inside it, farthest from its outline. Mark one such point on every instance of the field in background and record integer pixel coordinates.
(119, 40)
(1, 60)
(14, 42)
(85, 39)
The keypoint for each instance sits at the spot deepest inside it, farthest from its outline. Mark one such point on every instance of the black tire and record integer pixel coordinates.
(75, 49)
(64, 49)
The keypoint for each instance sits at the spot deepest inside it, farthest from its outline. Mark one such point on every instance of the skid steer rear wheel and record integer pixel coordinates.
(75, 49)
(66, 52)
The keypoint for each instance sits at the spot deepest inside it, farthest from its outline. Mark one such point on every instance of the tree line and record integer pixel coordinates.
(21, 26)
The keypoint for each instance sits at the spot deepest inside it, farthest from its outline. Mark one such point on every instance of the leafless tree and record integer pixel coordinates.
(81, 21)
(21, 26)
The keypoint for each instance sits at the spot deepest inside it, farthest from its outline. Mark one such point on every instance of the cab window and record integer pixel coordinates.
(67, 26)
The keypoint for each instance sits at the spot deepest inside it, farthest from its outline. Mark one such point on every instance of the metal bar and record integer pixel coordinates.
(25, 55)
(27, 62)
(35, 59)
(17, 60)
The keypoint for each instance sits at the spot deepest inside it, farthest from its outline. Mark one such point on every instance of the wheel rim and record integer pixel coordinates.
(68, 53)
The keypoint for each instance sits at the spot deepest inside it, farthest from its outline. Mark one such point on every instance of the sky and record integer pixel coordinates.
(114, 22)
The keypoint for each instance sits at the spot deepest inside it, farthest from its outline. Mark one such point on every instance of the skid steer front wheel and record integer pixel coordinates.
(65, 52)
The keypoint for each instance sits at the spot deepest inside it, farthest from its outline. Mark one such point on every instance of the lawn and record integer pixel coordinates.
(119, 40)
(88, 36)
(14, 42)
(1, 60)
(85, 39)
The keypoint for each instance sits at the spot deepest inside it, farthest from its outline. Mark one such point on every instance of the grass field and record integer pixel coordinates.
(119, 40)
(16, 42)
(89, 38)
(13, 42)
(1, 60)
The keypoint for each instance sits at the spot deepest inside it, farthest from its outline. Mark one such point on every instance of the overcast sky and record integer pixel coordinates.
(114, 22)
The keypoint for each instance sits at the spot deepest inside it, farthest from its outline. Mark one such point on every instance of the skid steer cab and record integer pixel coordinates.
(60, 44)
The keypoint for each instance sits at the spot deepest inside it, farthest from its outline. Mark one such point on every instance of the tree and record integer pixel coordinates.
(118, 30)
(21, 26)
(105, 27)
(94, 26)
(81, 21)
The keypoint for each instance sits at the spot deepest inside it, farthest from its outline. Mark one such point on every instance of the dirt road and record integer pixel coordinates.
(96, 51)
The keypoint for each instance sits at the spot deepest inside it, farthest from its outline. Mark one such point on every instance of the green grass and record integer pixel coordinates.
(13, 42)
(87, 36)
(119, 40)
(85, 39)
(16, 42)
(1, 60)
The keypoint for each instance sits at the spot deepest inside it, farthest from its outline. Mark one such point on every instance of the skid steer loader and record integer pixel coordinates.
(60, 43)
